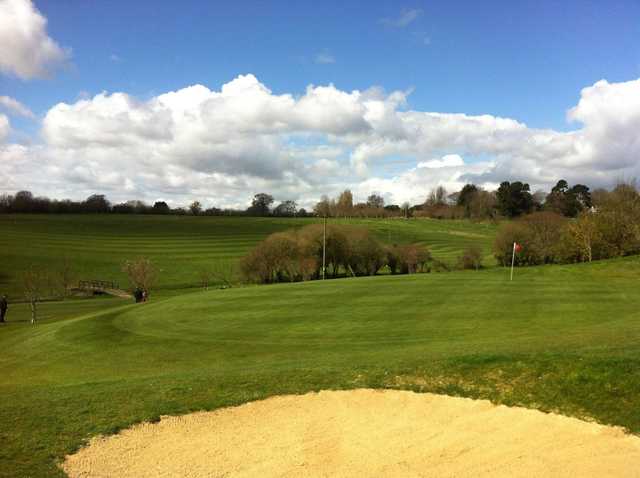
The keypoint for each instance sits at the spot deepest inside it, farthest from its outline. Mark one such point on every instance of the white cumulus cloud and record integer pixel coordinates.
(222, 146)
(4, 127)
(447, 161)
(26, 50)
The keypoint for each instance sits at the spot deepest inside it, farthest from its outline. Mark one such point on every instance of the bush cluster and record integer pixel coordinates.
(408, 259)
(471, 258)
(296, 255)
(611, 229)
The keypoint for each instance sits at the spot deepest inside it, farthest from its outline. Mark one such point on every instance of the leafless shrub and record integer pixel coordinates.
(471, 258)
(35, 282)
(141, 272)
(408, 258)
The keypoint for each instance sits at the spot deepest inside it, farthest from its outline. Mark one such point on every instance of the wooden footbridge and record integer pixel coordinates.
(104, 286)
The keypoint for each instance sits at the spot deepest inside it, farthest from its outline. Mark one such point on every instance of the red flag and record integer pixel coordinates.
(517, 247)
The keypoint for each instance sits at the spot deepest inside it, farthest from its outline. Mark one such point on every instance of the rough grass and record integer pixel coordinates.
(560, 338)
(97, 245)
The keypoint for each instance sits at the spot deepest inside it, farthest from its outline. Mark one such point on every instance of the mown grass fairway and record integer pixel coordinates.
(97, 245)
(562, 338)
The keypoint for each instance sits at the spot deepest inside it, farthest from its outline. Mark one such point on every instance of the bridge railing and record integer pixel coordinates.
(97, 284)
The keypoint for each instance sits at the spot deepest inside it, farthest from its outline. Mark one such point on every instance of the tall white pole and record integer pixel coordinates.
(513, 259)
(324, 246)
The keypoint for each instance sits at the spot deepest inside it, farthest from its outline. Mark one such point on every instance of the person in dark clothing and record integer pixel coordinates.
(4, 305)
(137, 294)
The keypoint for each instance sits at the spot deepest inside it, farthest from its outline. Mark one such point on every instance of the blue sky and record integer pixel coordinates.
(519, 59)
(523, 60)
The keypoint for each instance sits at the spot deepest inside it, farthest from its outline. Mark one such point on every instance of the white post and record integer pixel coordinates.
(513, 258)
(324, 246)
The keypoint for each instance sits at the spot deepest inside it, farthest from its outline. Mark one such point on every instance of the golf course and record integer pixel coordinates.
(336, 239)
(560, 338)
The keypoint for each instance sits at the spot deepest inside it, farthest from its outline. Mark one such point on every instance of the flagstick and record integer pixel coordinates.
(513, 258)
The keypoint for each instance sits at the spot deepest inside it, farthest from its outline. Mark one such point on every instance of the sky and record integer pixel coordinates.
(217, 101)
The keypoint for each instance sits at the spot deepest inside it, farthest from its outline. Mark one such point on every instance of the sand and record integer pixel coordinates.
(363, 433)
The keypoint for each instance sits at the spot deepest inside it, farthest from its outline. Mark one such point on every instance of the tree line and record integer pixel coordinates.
(511, 199)
(343, 206)
(26, 202)
(609, 228)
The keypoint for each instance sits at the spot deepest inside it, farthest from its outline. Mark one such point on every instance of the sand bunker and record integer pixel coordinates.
(363, 433)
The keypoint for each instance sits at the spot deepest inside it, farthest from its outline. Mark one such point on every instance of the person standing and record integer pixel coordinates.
(4, 305)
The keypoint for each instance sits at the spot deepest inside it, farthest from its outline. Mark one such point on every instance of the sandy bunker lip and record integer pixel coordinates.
(362, 433)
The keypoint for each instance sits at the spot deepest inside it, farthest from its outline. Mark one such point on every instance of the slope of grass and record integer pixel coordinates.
(562, 338)
(97, 245)
(446, 238)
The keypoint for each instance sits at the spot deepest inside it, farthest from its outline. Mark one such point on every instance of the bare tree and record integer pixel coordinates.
(619, 220)
(437, 197)
(205, 276)
(196, 208)
(324, 207)
(482, 204)
(344, 205)
(35, 282)
(584, 234)
(141, 272)
(375, 201)
(406, 207)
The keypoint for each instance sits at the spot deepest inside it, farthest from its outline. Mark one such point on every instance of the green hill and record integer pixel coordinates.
(561, 338)
(97, 245)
